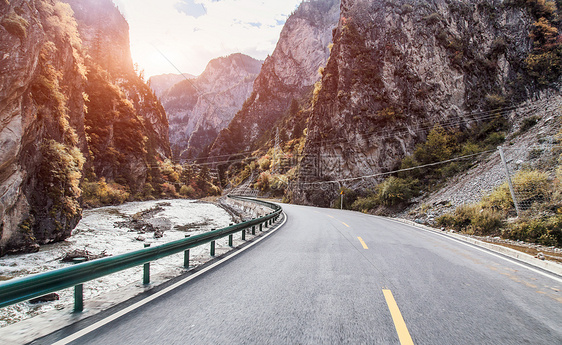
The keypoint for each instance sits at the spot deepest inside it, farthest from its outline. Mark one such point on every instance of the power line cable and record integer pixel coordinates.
(399, 170)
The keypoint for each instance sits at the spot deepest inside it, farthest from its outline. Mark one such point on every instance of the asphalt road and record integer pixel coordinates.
(330, 277)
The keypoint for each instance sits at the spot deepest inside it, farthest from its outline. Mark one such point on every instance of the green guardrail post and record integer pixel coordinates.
(230, 239)
(78, 298)
(254, 230)
(186, 256)
(261, 226)
(146, 271)
(244, 235)
(212, 248)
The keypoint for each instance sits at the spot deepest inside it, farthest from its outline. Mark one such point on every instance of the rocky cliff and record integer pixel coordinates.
(288, 74)
(399, 67)
(129, 130)
(201, 107)
(50, 114)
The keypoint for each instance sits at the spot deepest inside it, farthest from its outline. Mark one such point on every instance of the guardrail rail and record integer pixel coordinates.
(25, 288)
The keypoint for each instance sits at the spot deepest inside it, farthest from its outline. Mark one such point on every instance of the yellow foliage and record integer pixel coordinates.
(317, 89)
(527, 185)
(61, 171)
(101, 193)
(543, 33)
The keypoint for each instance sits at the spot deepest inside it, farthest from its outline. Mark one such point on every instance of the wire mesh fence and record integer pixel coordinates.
(534, 173)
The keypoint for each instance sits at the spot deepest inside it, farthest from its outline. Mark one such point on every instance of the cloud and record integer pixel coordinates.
(191, 8)
(190, 39)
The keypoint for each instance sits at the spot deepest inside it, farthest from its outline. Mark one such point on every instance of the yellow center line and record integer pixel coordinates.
(345, 224)
(330, 216)
(363, 243)
(401, 329)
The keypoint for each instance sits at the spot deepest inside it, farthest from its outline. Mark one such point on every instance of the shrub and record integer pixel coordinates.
(187, 191)
(542, 8)
(494, 139)
(316, 92)
(544, 67)
(473, 219)
(394, 191)
(148, 191)
(279, 183)
(543, 34)
(365, 204)
(60, 172)
(169, 171)
(263, 182)
(169, 190)
(499, 199)
(389, 115)
(438, 146)
(214, 190)
(531, 186)
(528, 122)
(265, 164)
(101, 193)
(495, 101)
(544, 231)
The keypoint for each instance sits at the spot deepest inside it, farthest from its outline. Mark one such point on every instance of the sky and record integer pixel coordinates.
(190, 33)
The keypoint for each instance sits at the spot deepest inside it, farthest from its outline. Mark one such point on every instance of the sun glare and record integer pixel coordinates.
(172, 33)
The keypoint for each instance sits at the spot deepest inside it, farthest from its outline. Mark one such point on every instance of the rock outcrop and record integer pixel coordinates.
(47, 101)
(399, 67)
(198, 109)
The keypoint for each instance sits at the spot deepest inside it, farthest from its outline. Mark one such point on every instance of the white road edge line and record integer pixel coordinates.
(474, 246)
(139, 304)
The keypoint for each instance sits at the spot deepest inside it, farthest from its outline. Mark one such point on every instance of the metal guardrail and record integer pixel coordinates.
(22, 289)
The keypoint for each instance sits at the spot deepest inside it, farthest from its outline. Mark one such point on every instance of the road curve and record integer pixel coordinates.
(340, 277)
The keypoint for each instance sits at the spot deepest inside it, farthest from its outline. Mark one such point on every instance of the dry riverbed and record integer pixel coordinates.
(115, 230)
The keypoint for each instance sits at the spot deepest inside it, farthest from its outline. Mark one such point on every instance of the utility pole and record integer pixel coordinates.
(276, 151)
(509, 181)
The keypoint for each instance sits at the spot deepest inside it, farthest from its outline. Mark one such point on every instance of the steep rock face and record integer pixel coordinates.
(288, 74)
(161, 83)
(48, 98)
(199, 108)
(105, 35)
(397, 68)
(41, 119)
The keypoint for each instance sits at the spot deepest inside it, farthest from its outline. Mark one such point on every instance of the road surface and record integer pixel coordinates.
(340, 277)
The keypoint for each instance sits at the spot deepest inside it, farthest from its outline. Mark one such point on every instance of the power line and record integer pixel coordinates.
(399, 170)
(382, 134)
(452, 123)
